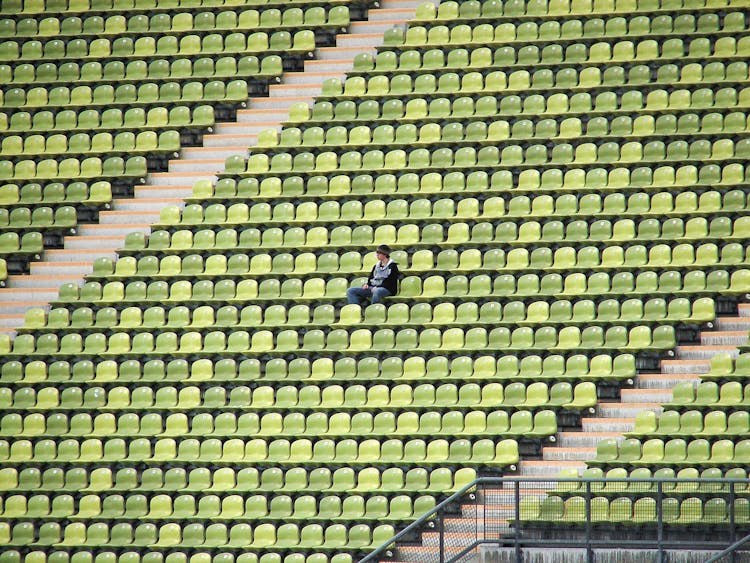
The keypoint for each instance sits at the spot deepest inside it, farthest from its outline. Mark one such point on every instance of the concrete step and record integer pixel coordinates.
(398, 4)
(341, 66)
(294, 90)
(117, 229)
(19, 295)
(178, 179)
(559, 453)
(342, 52)
(223, 152)
(375, 26)
(699, 352)
(663, 380)
(145, 204)
(279, 102)
(124, 217)
(624, 410)
(646, 395)
(208, 165)
(61, 268)
(724, 338)
(41, 282)
(547, 468)
(245, 128)
(231, 140)
(309, 77)
(496, 554)
(607, 425)
(743, 309)
(167, 192)
(398, 15)
(359, 40)
(19, 307)
(253, 115)
(584, 439)
(9, 322)
(733, 323)
(685, 367)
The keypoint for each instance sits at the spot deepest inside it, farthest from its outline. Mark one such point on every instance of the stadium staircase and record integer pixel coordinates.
(139, 212)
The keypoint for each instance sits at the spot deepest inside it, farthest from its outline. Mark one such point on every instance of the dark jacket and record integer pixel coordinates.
(385, 276)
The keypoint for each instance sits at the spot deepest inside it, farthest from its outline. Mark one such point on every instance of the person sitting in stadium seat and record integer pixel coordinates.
(383, 280)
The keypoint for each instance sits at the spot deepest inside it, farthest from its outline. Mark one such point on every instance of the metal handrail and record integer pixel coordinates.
(729, 550)
(414, 526)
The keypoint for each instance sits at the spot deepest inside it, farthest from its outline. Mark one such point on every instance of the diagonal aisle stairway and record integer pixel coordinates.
(611, 419)
(76, 259)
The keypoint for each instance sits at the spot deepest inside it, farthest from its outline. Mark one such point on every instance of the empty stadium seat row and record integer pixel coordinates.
(674, 452)
(37, 7)
(273, 479)
(556, 104)
(499, 34)
(410, 235)
(469, 61)
(174, 556)
(707, 255)
(693, 283)
(691, 423)
(552, 367)
(642, 511)
(114, 118)
(72, 168)
(625, 126)
(520, 206)
(27, 244)
(166, 45)
(385, 424)
(263, 538)
(175, 23)
(148, 142)
(558, 8)
(610, 152)
(688, 484)
(148, 94)
(459, 452)
(40, 218)
(399, 314)
(474, 83)
(95, 194)
(633, 25)
(594, 179)
(138, 70)
(235, 507)
(726, 366)
(265, 397)
(338, 340)
(710, 394)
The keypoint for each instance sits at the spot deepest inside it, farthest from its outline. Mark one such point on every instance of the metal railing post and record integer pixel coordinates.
(732, 529)
(441, 536)
(589, 551)
(660, 520)
(517, 526)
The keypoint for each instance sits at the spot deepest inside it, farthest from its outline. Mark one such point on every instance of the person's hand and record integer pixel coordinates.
(365, 286)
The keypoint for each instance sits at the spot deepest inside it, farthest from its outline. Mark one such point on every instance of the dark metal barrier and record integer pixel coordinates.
(656, 514)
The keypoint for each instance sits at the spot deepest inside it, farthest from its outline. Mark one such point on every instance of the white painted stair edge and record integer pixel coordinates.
(159, 190)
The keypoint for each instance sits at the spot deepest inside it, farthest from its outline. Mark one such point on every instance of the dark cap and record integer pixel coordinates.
(384, 249)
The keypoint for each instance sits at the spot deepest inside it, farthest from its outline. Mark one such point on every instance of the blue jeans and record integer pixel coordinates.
(358, 295)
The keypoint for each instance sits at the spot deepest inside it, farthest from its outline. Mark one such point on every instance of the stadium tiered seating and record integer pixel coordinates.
(562, 183)
(95, 97)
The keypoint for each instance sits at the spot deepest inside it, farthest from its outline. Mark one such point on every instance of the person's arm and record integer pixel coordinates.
(367, 284)
(391, 282)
